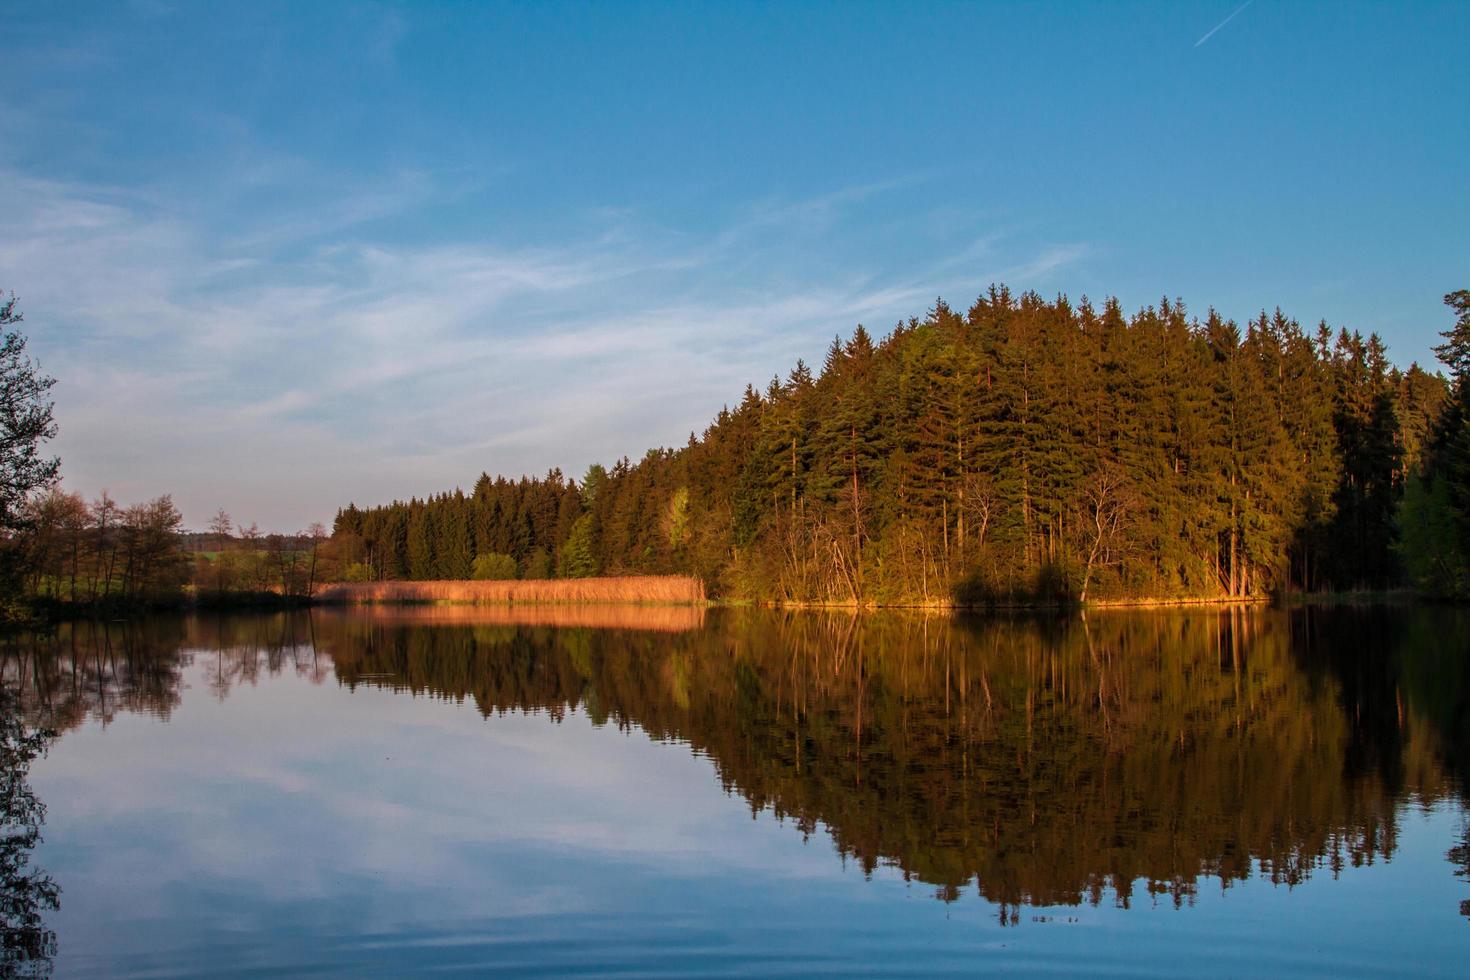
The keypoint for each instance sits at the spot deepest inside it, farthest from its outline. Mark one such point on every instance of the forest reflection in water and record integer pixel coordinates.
(1042, 762)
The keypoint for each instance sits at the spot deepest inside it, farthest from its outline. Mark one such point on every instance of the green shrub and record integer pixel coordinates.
(493, 565)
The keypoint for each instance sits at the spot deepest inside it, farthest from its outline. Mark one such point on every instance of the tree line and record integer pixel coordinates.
(89, 553)
(1022, 449)
(78, 553)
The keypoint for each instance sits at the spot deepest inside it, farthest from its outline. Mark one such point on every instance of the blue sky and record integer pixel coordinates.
(283, 256)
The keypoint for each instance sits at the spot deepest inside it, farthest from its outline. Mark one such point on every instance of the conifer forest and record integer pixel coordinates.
(1022, 450)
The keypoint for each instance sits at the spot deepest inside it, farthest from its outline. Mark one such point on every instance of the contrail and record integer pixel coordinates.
(1223, 23)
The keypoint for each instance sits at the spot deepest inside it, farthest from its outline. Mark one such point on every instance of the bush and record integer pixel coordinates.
(493, 566)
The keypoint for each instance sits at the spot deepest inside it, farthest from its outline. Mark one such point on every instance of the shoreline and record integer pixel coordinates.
(268, 602)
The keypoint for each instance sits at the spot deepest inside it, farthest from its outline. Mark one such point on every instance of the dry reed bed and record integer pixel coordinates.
(624, 616)
(627, 588)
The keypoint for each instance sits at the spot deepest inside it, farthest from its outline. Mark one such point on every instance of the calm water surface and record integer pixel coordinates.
(675, 791)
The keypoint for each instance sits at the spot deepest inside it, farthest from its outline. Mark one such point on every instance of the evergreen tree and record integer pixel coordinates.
(420, 542)
(578, 556)
(1447, 463)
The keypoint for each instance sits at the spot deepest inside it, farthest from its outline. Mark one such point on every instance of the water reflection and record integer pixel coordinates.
(27, 946)
(1043, 762)
(1039, 762)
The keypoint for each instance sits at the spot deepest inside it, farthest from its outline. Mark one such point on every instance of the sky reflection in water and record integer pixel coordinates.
(742, 791)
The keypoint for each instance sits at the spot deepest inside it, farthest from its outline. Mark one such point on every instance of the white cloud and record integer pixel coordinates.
(289, 362)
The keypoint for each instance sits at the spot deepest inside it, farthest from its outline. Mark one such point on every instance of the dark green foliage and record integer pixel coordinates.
(1436, 518)
(1369, 447)
(1429, 549)
(1025, 450)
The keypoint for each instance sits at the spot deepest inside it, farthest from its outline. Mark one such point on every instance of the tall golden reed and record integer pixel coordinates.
(623, 588)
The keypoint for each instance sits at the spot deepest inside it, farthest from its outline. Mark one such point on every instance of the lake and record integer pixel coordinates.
(562, 790)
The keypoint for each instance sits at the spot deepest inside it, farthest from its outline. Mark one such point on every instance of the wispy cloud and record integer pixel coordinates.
(1214, 30)
(281, 368)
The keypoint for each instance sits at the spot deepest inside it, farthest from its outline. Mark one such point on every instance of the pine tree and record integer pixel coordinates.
(578, 554)
(420, 546)
(1449, 456)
